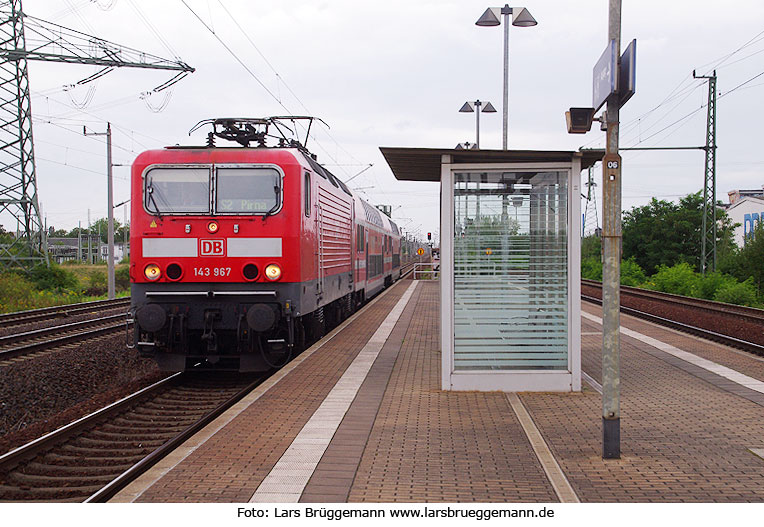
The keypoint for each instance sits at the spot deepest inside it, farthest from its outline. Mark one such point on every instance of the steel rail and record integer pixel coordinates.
(33, 448)
(15, 337)
(750, 313)
(157, 455)
(31, 347)
(734, 342)
(32, 315)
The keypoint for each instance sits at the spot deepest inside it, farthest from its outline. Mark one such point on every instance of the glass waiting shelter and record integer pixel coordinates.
(510, 225)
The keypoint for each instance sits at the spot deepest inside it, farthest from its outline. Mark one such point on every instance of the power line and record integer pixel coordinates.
(281, 80)
(679, 91)
(98, 120)
(234, 55)
(261, 83)
(153, 29)
(703, 106)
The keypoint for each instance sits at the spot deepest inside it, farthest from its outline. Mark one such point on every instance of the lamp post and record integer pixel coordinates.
(468, 108)
(521, 18)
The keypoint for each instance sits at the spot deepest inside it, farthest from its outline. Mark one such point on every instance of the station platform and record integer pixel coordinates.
(360, 417)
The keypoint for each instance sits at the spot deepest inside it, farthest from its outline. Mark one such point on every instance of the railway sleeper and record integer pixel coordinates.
(128, 435)
(35, 467)
(173, 414)
(187, 397)
(191, 406)
(198, 391)
(131, 443)
(56, 458)
(150, 423)
(47, 494)
(64, 480)
(104, 452)
(157, 416)
(131, 428)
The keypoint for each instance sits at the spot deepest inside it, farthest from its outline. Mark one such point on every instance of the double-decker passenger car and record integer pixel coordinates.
(240, 254)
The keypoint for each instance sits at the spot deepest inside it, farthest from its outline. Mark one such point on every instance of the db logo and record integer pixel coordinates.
(212, 247)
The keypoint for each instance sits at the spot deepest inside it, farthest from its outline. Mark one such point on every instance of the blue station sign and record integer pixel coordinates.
(604, 77)
(627, 76)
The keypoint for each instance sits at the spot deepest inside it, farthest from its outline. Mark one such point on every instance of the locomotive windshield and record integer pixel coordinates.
(178, 190)
(243, 190)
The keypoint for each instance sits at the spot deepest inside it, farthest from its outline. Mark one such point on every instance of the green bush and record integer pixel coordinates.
(679, 279)
(711, 283)
(97, 283)
(591, 246)
(631, 273)
(54, 278)
(591, 268)
(17, 293)
(740, 293)
(122, 278)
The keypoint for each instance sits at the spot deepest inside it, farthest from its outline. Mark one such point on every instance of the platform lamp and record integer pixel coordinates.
(521, 18)
(468, 107)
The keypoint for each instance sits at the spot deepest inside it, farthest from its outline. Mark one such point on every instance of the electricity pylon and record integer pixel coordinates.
(591, 206)
(18, 180)
(708, 228)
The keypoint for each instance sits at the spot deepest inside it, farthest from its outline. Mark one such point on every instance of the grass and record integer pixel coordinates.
(82, 283)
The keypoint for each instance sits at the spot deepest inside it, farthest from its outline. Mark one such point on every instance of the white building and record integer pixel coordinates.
(746, 208)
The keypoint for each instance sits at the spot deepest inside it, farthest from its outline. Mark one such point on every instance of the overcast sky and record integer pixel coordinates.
(395, 73)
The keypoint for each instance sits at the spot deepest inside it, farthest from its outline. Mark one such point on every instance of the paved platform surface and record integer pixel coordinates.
(362, 419)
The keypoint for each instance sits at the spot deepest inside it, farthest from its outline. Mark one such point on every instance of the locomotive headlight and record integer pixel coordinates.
(152, 272)
(273, 272)
(212, 227)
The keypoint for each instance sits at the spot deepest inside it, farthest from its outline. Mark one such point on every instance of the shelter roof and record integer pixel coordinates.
(423, 164)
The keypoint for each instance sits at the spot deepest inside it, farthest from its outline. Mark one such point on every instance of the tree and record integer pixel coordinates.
(663, 233)
(103, 224)
(747, 261)
(591, 247)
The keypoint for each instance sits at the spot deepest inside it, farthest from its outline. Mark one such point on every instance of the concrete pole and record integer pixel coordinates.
(477, 123)
(611, 265)
(90, 237)
(110, 234)
(506, 11)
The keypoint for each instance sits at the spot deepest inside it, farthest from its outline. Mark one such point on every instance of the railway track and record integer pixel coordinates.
(737, 326)
(27, 343)
(94, 457)
(49, 313)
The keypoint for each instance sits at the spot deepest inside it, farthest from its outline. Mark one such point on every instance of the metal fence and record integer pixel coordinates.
(427, 271)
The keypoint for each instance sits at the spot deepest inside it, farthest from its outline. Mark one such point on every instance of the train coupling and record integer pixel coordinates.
(209, 335)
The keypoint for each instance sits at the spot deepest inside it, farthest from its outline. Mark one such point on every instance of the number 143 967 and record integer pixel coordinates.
(212, 271)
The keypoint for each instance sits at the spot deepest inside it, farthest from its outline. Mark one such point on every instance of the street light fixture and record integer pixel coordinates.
(468, 108)
(521, 18)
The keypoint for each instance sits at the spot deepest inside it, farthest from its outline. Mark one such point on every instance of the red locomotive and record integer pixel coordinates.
(242, 254)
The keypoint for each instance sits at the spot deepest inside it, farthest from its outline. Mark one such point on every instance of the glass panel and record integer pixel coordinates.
(248, 190)
(178, 190)
(510, 271)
